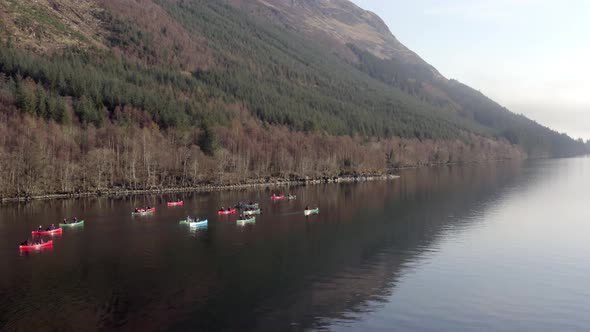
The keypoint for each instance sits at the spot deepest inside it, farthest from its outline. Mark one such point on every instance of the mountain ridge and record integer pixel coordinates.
(341, 20)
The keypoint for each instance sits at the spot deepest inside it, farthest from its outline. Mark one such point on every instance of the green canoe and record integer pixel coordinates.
(194, 223)
(246, 221)
(72, 224)
(310, 212)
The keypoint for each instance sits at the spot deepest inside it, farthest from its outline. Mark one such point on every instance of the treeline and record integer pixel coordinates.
(39, 157)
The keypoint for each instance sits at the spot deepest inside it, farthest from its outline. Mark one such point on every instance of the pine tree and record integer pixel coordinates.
(207, 139)
(25, 97)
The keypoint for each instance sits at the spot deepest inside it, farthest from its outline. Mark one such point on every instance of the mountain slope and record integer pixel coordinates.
(179, 92)
(45, 25)
(348, 28)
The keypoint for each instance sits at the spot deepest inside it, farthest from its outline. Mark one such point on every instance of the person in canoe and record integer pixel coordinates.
(65, 221)
(75, 220)
(52, 227)
(40, 228)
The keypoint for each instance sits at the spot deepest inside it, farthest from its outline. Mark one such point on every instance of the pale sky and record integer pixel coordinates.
(532, 56)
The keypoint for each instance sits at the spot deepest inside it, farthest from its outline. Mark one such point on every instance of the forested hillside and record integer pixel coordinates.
(157, 93)
(419, 81)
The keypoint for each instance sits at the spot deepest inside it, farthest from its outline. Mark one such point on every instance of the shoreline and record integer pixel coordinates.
(202, 188)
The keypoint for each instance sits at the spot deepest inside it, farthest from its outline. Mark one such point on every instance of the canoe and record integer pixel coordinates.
(310, 212)
(143, 212)
(276, 198)
(226, 212)
(291, 197)
(179, 203)
(51, 232)
(199, 223)
(246, 221)
(72, 224)
(251, 212)
(37, 246)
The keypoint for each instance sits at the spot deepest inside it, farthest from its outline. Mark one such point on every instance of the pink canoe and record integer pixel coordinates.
(51, 232)
(37, 246)
(226, 212)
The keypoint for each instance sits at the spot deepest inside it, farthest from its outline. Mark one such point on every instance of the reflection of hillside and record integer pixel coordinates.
(293, 275)
(340, 265)
(283, 270)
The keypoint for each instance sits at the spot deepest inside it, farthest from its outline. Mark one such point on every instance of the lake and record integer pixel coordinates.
(491, 247)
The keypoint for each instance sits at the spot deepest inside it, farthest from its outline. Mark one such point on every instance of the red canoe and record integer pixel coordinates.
(274, 197)
(51, 232)
(225, 212)
(38, 246)
(176, 203)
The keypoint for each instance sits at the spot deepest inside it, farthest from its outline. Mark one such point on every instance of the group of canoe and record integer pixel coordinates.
(248, 212)
(276, 197)
(247, 215)
(245, 210)
(40, 243)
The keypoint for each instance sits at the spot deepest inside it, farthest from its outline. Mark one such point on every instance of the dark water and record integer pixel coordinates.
(496, 247)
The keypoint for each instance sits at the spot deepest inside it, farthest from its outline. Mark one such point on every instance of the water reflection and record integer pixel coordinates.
(285, 272)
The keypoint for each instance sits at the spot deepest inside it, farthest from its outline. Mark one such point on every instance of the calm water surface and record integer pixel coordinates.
(495, 247)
